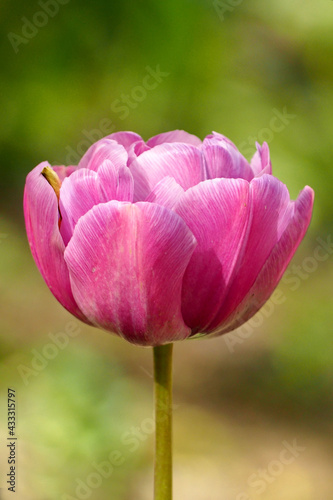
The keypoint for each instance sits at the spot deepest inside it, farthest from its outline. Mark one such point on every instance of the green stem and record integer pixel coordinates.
(163, 420)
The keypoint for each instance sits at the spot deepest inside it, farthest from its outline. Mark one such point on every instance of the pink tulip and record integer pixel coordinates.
(161, 240)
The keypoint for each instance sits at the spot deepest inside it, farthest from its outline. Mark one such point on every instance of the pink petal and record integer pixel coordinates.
(219, 137)
(223, 160)
(63, 172)
(127, 264)
(166, 192)
(78, 194)
(272, 212)
(47, 247)
(174, 136)
(105, 149)
(261, 162)
(86, 188)
(183, 162)
(276, 263)
(217, 213)
(136, 149)
(115, 183)
(126, 139)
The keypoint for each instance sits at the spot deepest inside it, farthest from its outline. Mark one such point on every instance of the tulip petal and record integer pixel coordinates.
(166, 192)
(183, 162)
(79, 193)
(223, 160)
(47, 247)
(126, 264)
(272, 214)
(135, 150)
(105, 149)
(115, 183)
(174, 136)
(275, 265)
(217, 212)
(126, 139)
(86, 188)
(63, 172)
(219, 137)
(261, 163)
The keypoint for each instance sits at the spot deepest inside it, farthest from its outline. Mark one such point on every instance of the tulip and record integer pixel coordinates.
(162, 240)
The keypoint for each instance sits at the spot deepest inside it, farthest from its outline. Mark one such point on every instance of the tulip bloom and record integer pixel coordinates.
(158, 241)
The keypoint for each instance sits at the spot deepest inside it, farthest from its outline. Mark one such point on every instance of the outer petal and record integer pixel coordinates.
(272, 212)
(47, 247)
(105, 149)
(261, 162)
(183, 162)
(126, 265)
(217, 212)
(223, 160)
(174, 136)
(276, 263)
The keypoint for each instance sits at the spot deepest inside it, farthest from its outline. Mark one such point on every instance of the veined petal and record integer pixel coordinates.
(219, 137)
(272, 212)
(223, 160)
(217, 212)
(126, 139)
(78, 194)
(174, 136)
(41, 218)
(116, 183)
(105, 149)
(276, 263)
(183, 162)
(136, 149)
(63, 172)
(261, 162)
(126, 264)
(86, 188)
(166, 192)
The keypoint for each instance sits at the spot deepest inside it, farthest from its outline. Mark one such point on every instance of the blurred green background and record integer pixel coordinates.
(74, 71)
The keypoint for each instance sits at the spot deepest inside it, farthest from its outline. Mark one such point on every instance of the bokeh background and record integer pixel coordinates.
(254, 409)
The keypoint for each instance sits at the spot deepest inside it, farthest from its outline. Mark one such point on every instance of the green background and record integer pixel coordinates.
(252, 71)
